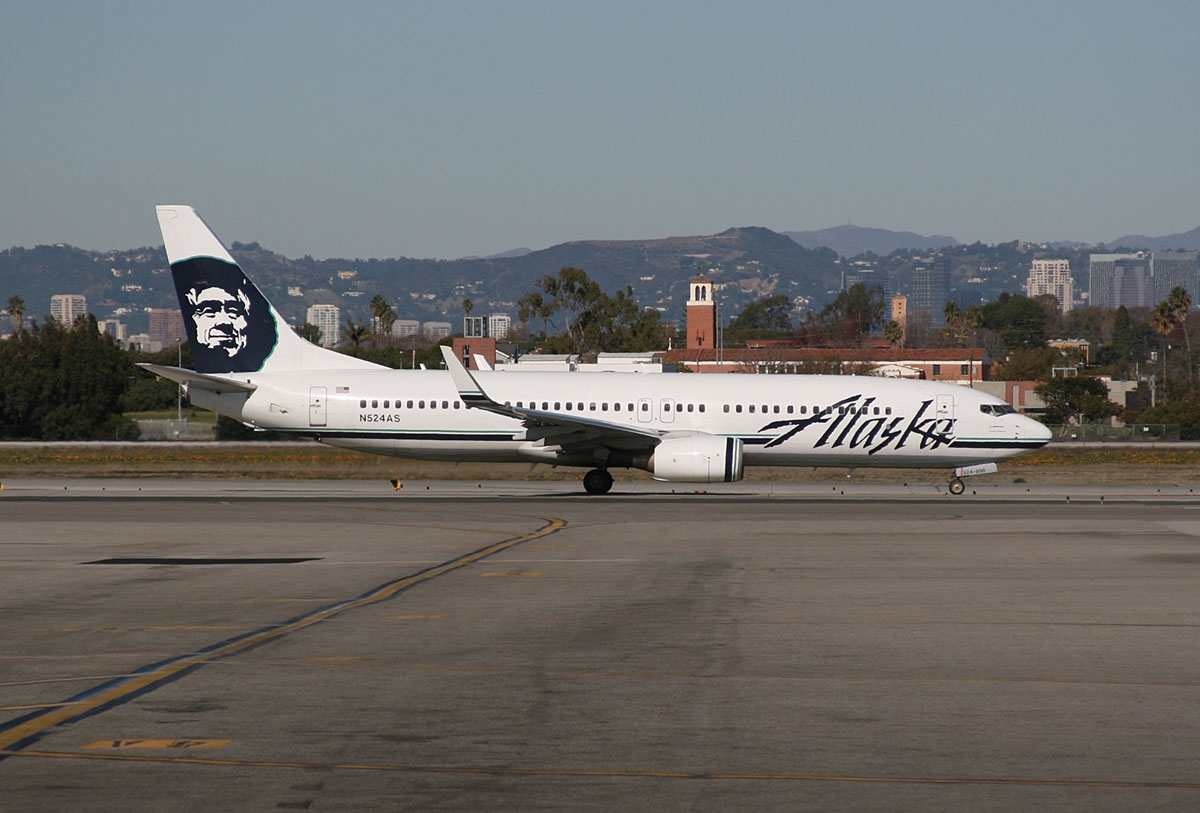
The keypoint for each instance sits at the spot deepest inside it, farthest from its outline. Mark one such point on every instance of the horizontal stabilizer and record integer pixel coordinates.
(201, 381)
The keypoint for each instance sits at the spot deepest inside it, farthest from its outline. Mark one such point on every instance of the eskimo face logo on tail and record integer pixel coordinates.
(852, 423)
(228, 320)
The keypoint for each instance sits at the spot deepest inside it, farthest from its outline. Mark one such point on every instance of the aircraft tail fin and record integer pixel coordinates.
(230, 324)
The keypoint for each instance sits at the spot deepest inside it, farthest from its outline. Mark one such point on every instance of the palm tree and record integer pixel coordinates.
(356, 332)
(16, 308)
(1162, 319)
(894, 333)
(954, 322)
(1180, 303)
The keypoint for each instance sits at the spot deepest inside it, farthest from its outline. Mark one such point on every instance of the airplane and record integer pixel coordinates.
(251, 366)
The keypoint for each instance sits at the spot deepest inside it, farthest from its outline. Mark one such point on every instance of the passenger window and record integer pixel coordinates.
(876, 410)
(887, 410)
(421, 404)
(629, 407)
(558, 404)
(433, 404)
(690, 407)
(776, 410)
(666, 406)
(387, 404)
(737, 408)
(362, 404)
(702, 407)
(445, 404)
(604, 407)
(545, 405)
(374, 405)
(592, 406)
(765, 409)
(410, 403)
(581, 406)
(518, 404)
(727, 407)
(568, 406)
(616, 407)
(752, 408)
(458, 404)
(791, 409)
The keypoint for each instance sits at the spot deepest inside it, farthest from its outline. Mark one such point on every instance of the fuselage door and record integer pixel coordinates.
(666, 410)
(645, 409)
(316, 406)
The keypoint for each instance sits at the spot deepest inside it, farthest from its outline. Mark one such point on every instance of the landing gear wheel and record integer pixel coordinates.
(597, 481)
(957, 486)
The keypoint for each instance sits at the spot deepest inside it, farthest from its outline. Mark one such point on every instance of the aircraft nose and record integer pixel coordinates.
(1036, 430)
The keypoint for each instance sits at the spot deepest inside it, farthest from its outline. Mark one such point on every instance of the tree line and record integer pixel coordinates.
(72, 382)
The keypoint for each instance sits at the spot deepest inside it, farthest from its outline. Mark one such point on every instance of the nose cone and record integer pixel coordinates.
(1035, 430)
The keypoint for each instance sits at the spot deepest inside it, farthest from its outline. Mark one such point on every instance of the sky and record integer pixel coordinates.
(383, 128)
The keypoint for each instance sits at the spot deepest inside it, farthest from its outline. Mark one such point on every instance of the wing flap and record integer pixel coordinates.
(571, 432)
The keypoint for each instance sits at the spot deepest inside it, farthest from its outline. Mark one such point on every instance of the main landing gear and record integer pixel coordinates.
(597, 481)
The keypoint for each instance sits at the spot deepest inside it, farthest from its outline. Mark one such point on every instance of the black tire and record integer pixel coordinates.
(597, 481)
(957, 486)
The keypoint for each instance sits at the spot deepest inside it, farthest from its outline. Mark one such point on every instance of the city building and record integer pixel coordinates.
(954, 365)
(166, 327)
(328, 319)
(1120, 279)
(1052, 277)
(498, 326)
(436, 330)
(406, 327)
(66, 308)
(114, 328)
(1176, 269)
(931, 291)
(871, 277)
(900, 311)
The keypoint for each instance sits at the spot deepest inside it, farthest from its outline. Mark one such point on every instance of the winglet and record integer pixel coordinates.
(468, 388)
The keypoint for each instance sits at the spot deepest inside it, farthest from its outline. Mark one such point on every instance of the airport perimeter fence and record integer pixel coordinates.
(1092, 433)
(174, 429)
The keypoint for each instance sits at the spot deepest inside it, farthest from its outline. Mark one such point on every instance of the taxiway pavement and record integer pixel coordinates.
(517, 646)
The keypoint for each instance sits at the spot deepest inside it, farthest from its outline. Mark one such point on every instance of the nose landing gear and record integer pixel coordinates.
(957, 486)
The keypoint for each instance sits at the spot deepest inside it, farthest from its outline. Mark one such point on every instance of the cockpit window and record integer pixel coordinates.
(997, 409)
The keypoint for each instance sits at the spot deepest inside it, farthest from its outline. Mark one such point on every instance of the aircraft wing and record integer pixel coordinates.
(572, 432)
(200, 381)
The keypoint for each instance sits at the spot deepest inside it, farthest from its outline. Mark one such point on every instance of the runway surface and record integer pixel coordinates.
(520, 646)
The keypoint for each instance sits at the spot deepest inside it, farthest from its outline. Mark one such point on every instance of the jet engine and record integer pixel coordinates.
(698, 458)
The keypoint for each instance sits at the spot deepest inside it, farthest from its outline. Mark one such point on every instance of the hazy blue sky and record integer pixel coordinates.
(444, 129)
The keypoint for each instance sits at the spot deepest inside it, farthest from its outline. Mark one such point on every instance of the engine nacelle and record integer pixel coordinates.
(698, 458)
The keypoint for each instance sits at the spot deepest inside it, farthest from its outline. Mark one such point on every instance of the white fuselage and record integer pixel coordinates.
(782, 420)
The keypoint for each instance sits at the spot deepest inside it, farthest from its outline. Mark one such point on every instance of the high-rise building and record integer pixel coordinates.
(1176, 269)
(406, 327)
(436, 330)
(1120, 279)
(328, 319)
(1052, 277)
(931, 290)
(871, 277)
(498, 325)
(166, 327)
(66, 308)
(701, 315)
